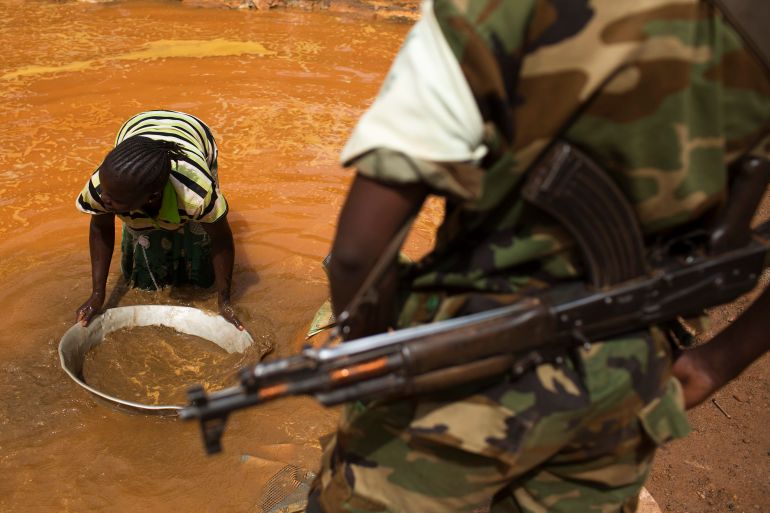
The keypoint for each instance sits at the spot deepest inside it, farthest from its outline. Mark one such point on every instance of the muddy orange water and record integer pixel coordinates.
(156, 364)
(281, 91)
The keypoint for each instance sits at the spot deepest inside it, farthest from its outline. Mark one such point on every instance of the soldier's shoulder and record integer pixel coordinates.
(528, 25)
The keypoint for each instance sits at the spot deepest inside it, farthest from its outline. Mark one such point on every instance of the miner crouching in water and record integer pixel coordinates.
(161, 181)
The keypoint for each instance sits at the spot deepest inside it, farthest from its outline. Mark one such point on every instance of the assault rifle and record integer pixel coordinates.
(627, 290)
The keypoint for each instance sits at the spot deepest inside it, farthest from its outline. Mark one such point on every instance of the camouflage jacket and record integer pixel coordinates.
(662, 93)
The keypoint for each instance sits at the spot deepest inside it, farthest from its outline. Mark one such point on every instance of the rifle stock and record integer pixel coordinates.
(622, 297)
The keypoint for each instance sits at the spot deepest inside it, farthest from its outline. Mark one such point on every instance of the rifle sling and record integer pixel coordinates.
(751, 18)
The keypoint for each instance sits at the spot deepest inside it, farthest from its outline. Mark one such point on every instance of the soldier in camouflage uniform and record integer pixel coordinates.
(663, 94)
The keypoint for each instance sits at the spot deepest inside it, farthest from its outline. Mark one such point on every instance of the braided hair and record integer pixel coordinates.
(140, 164)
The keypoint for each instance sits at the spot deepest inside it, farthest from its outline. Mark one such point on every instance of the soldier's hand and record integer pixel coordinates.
(89, 309)
(698, 379)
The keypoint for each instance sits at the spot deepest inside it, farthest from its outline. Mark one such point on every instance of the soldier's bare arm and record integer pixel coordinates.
(372, 215)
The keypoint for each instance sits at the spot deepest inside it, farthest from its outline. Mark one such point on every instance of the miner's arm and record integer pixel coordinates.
(101, 239)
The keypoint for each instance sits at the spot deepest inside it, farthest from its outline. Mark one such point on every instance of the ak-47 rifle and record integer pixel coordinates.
(625, 293)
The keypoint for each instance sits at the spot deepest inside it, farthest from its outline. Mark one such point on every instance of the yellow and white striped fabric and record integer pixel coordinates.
(193, 184)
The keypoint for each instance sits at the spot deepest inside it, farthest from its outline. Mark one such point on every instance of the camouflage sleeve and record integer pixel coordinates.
(489, 41)
(460, 180)
(424, 124)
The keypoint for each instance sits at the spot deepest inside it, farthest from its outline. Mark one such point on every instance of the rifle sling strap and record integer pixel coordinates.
(752, 20)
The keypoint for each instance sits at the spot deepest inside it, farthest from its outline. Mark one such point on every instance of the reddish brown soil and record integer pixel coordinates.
(724, 464)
